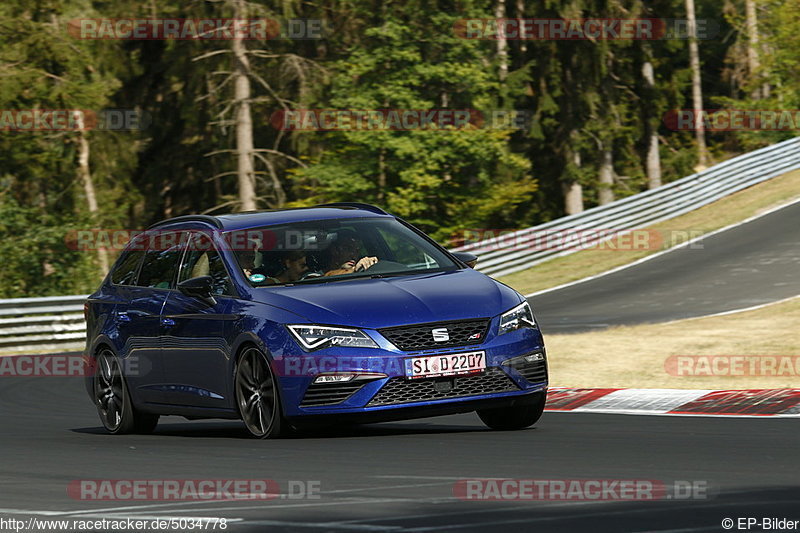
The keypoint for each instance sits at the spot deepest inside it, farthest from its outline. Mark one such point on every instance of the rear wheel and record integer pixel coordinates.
(113, 400)
(517, 417)
(257, 396)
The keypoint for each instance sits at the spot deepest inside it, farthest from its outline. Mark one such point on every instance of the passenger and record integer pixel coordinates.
(294, 266)
(247, 260)
(250, 257)
(284, 267)
(344, 255)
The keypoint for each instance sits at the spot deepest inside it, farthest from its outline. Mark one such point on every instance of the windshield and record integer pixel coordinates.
(332, 250)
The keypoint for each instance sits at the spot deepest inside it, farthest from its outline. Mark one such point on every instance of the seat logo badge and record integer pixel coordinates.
(440, 335)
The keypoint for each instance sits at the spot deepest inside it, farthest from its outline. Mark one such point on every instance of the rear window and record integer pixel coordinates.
(127, 268)
(161, 263)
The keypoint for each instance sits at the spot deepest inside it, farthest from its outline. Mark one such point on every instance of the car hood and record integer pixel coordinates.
(378, 303)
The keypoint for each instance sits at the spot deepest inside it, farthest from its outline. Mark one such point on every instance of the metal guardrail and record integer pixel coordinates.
(56, 323)
(520, 250)
(42, 324)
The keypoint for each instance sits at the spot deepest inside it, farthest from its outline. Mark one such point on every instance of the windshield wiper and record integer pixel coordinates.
(389, 275)
(317, 279)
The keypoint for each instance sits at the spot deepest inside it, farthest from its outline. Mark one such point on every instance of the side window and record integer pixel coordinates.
(202, 259)
(161, 261)
(127, 268)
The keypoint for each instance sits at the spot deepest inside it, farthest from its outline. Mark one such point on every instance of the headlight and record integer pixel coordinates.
(519, 317)
(312, 337)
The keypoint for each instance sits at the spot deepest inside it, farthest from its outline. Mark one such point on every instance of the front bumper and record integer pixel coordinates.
(410, 411)
(394, 396)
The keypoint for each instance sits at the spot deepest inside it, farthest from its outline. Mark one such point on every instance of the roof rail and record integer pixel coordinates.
(356, 205)
(208, 219)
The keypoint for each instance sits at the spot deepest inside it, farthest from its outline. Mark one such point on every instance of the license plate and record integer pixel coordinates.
(456, 364)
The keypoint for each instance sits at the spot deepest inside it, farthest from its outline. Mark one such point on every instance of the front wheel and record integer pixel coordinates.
(517, 417)
(257, 396)
(113, 401)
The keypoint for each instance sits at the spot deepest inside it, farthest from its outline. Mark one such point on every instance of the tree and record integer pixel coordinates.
(697, 88)
(244, 119)
(46, 69)
(652, 157)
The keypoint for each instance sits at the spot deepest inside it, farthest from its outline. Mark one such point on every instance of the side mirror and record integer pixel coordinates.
(465, 257)
(200, 287)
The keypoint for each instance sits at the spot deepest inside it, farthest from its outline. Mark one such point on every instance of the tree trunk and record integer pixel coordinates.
(382, 175)
(573, 198)
(277, 187)
(521, 14)
(653, 157)
(85, 176)
(573, 190)
(753, 63)
(605, 194)
(502, 43)
(697, 89)
(752, 43)
(653, 160)
(244, 120)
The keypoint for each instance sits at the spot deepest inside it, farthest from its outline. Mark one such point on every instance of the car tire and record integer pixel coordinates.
(512, 418)
(113, 401)
(257, 397)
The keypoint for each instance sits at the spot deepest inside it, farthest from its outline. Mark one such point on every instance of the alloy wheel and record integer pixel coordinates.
(109, 390)
(256, 394)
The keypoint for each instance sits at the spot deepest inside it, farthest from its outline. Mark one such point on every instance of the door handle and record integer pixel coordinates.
(167, 322)
(123, 317)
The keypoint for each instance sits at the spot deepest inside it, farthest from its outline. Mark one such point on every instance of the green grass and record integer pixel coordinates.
(582, 360)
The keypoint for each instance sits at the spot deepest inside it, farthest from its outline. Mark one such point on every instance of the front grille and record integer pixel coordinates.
(534, 372)
(330, 393)
(401, 390)
(420, 336)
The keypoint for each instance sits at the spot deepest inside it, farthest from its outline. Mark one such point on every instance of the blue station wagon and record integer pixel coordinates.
(333, 314)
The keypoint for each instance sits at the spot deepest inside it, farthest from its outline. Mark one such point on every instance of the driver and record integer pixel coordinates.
(344, 252)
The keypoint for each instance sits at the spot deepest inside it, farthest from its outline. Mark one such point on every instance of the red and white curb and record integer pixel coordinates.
(753, 402)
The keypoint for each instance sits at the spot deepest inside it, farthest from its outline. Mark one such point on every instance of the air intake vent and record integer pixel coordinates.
(401, 390)
(330, 393)
(533, 367)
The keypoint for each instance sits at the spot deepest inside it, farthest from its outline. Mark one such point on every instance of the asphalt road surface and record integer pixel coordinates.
(752, 264)
(399, 476)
